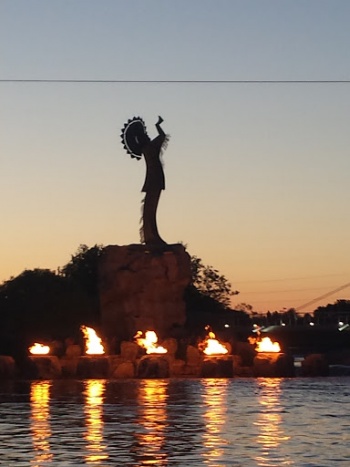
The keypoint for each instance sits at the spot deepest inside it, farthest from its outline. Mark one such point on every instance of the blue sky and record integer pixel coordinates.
(256, 174)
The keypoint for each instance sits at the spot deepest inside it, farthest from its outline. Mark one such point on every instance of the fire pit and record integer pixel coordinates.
(216, 361)
(269, 360)
(94, 364)
(41, 364)
(154, 364)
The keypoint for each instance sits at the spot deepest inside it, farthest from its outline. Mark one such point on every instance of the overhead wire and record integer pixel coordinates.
(175, 81)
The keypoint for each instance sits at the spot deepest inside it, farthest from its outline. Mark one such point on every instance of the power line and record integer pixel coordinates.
(174, 81)
(328, 294)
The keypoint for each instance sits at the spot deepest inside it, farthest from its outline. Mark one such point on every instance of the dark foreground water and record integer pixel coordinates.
(185, 422)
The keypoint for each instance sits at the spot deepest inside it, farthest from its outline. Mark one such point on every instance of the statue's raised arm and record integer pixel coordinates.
(137, 143)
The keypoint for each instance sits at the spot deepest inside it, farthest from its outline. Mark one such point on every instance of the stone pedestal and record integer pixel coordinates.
(142, 289)
(93, 367)
(217, 367)
(273, 364)
(44, 367)
(152, 366)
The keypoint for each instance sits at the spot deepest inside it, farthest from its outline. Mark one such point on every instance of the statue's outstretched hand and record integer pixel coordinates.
(160, 120)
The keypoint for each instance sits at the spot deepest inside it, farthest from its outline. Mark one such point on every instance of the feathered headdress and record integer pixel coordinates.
(132, 135)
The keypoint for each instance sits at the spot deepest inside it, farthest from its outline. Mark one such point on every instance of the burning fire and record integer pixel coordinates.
(211, 346)
(149, 342)
(265, 344)
(39, 349)
(92, 341)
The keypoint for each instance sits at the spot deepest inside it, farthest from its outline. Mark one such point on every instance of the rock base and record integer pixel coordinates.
(152, 366)
(142, 289)
(43, 367)
(270, 364)
(7, 367)
(94, 367)
(217, 367)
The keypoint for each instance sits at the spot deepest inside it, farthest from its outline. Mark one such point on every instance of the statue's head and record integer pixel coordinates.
(134, 137)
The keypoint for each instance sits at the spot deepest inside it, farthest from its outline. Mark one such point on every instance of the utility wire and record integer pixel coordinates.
(174, 81)
(328, 294)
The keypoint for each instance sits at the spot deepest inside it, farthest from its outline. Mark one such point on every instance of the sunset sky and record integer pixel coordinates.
(257, 174)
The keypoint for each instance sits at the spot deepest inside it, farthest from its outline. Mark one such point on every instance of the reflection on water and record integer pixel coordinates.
(270, 434)
(215, 413)
(152, 421)
(180, 422)
(94, 397)
(40, 423)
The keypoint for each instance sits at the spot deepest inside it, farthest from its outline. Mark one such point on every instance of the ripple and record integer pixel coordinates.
(233, 422)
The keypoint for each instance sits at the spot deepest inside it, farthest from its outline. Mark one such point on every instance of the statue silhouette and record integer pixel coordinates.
(137, 143)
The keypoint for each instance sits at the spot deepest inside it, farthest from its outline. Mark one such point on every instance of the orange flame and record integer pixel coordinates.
(211, 346)
(266, 345)
(39, 349)
(92, 341)
(149, 342)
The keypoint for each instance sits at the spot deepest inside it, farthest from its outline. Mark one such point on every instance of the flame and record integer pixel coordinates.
(39, 349)
(92, 341)
(149, 342)
(211, 346)
(266, 345)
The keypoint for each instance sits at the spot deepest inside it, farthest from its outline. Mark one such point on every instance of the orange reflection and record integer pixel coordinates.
(94, 394)
(40, 424)
(153, 419)
(269, 420)
(214, 395)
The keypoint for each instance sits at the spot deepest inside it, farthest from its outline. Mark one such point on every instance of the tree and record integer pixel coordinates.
(81, 273)
(207, 298)
(246, 308)
(333, 313)
(209, 282)
(38, 305)
(82, 269)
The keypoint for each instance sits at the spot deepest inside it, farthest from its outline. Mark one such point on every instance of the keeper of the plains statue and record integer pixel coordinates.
(137, 143)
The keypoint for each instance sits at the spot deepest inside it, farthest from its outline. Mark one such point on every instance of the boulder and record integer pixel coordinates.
(129, 351)
(7, 367)
(171, 345)
(177, 368)
(193, 356)
(314, 365)
(124, 370)
(73, 351)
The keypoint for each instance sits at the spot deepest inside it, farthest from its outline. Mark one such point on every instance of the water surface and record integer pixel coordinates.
(176, 422)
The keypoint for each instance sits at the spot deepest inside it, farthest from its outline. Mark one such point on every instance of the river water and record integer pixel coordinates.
(176, 422)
